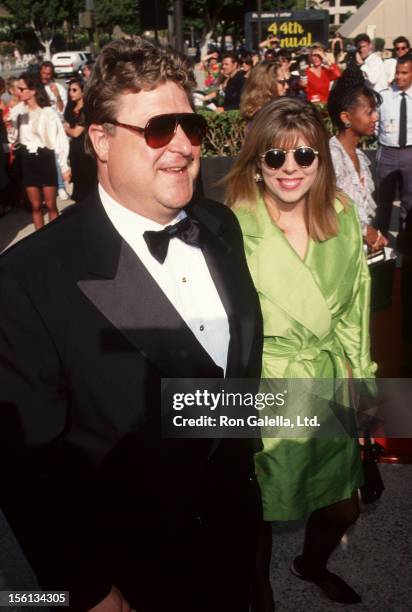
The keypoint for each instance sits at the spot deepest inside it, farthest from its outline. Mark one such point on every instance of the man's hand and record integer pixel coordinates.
(113, 602)
(55, 91)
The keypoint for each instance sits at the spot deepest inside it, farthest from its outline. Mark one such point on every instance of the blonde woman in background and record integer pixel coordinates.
(265, 83)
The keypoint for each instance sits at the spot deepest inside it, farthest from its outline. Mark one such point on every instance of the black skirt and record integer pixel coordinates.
(38, 169)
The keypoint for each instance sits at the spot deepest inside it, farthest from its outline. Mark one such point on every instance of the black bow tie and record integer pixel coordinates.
(187, 230)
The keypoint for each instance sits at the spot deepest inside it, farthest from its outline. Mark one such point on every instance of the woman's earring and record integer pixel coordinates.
(347, 124)
(258, 177)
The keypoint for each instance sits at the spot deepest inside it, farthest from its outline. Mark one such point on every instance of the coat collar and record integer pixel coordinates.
(280, 274)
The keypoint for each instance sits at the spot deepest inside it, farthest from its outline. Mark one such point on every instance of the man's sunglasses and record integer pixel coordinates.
(275, 158)
(403, 48)
(159, 130)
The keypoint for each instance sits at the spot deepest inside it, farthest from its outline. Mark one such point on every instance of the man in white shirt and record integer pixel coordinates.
(395, 153)
(137, 284)
(401, 46)
(370, 63)
(57, 93)
(394, 175)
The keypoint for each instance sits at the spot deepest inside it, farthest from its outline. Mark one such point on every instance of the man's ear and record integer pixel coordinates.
(100, 141)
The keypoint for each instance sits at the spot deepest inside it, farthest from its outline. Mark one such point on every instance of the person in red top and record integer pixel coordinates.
(319, 76)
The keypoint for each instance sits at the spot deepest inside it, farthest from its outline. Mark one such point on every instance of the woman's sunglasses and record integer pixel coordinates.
(304, 156)
(159, 130)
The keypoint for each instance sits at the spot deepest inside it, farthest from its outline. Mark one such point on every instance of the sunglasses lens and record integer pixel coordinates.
(275, 158)
(305, 156)
(159, 130)
(195, 128)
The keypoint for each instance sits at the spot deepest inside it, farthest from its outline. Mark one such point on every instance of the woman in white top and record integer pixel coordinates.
(352, 107)
(39, 132)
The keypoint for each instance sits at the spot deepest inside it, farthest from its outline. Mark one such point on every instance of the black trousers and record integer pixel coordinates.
(197, 556)
(393, 175)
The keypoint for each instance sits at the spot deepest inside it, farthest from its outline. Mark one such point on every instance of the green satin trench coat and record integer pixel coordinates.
(316, 324)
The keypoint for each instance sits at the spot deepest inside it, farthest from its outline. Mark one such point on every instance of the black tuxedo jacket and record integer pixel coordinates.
(85, 337)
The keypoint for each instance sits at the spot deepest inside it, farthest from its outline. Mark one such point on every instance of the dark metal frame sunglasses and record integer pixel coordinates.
(304, 157)
(160, 129)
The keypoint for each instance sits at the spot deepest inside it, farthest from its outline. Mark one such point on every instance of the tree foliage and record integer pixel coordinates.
(226, 16)
(123, 13)
(44, 14)
(53, 14)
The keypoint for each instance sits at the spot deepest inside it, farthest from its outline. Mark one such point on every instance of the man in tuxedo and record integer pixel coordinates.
(137, 283)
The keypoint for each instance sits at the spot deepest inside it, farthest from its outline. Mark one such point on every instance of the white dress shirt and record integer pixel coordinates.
(389, 117)
(183, 277)
(374, 72)
(390, 68)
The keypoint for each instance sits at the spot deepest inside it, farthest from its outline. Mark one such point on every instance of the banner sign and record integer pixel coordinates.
(295, 29)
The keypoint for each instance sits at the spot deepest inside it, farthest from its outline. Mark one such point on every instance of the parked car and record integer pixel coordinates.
(68, 63)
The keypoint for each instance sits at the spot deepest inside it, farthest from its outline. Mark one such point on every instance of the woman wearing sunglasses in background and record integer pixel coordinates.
(83, 166)
(353, 109)
(37, 130)
(265, 83)
(304, 249)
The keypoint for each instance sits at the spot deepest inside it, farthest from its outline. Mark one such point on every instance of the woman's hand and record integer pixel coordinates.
(67, 176)
(374, 239)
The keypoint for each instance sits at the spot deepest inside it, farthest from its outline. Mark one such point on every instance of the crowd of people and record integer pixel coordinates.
(366, 96)
(42, 127)
(143, 282)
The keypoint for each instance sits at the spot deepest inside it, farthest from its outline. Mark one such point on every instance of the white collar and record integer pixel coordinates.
(398, 92)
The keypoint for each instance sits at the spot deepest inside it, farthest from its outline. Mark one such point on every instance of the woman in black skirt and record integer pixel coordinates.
(40, 134)
(83, 166)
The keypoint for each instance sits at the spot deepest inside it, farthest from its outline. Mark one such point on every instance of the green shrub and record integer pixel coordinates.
(226, 132)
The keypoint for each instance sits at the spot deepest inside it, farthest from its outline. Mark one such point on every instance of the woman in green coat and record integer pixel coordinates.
(304, 249)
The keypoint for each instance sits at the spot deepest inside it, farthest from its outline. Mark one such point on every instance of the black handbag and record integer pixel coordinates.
(373, 486)
(382, 277)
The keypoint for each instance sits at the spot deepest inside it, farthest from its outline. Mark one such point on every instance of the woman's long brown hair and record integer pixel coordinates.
(281, 124)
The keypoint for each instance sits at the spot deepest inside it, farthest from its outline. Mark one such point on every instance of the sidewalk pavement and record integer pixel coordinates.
(17, 224)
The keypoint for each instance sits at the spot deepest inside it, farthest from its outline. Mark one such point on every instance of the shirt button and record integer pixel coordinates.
(202, 327)
(184, 279)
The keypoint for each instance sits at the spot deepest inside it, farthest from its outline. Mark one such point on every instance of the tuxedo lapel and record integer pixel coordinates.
(223, 266)
(126, 294)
